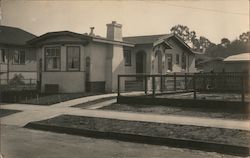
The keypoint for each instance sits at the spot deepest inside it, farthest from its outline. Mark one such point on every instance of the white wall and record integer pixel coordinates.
(69, 82)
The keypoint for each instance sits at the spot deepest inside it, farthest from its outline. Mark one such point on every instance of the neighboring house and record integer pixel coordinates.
(237, 63)
(70, 62)
(16, 58)
(234, 63)
(158, 54)
(211, 64)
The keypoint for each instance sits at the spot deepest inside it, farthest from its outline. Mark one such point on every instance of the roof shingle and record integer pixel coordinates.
(14, 36)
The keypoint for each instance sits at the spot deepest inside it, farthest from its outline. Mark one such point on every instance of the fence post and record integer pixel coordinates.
(174, 81)
(118, 86)
(153, 85)
(146, 85)
(242, 89)
(161, 84)
(30, 81)
(194, 86)
(185, 81)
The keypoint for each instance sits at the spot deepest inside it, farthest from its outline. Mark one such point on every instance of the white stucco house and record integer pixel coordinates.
(71, 62)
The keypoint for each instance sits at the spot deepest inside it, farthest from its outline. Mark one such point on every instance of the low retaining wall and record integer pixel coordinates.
(179, 143)
(215, 104)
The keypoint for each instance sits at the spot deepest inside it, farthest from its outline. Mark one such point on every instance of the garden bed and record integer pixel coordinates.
(187, 111)
(6, 112)
(42, 99)
(228, 141)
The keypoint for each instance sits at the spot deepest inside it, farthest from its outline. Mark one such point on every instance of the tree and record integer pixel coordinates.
(184, 33)
(225, 42)
(245, 36)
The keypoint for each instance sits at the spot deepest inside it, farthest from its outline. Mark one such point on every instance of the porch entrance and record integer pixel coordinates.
(140, 64)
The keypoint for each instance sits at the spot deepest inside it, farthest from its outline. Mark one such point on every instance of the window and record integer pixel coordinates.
(170, 61)
(177, 59)
(2, 56)
(19, 57)
(73, 58)
(52, 58)
(127, 57)
(184, 62)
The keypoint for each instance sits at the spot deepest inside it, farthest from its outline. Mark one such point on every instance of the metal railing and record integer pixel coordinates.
(184, 82)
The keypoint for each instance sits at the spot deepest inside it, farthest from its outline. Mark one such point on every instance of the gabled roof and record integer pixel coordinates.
(238, 57)
(156, 40)
(83, 37)
(209, 60)
(14, 36)
(148, 39)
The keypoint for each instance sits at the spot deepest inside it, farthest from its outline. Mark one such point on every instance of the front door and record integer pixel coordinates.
(140, 64)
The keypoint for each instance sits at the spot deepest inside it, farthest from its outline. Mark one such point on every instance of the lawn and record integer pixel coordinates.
(150, 129)
(187, 111)
(97, 101)
(47, 99)
(6, 112)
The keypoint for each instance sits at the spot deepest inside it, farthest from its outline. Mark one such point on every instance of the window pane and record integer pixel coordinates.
(22, 57)
(169, 59)
(183, 61)
(52, 56)
(127, 57)
(2, 56)
(16, 57)
(73, 57)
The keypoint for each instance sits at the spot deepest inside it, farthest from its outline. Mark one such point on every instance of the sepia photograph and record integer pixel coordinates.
(124, 78)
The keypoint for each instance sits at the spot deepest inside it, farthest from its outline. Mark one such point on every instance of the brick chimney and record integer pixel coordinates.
(114, 31)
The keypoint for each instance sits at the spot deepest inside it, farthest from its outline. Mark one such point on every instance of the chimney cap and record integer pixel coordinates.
(92, 31)
(114, 23)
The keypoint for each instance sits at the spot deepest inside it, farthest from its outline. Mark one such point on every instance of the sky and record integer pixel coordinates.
(214, 19)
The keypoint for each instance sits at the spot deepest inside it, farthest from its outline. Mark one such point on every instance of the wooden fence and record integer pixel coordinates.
(185, 82)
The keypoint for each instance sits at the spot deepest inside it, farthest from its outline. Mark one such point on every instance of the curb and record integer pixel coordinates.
(171, 142)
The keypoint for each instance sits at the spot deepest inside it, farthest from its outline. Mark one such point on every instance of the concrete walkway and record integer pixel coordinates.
(35, 113)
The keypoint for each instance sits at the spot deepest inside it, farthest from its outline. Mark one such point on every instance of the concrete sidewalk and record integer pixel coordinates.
(36, 113)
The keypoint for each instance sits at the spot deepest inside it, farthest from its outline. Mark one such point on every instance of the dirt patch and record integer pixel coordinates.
(185, 132)
(6, 112)
(187, 111)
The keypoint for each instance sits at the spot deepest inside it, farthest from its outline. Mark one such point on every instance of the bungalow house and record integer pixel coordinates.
(70, 62)
(233, 63)
(237, 63)
(211, 64)
(16, 58)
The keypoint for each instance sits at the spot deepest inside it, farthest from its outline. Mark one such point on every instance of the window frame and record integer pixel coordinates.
(45, 58)
(184, 58)
(177, 60)
(125, 52)
(19, 51)
(3, 56)
(167, 56)
(67, 59)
